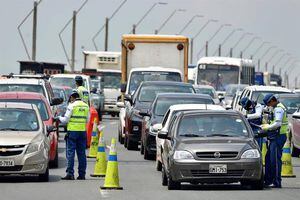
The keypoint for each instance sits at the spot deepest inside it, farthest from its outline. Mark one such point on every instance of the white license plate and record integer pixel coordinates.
(217, 169)
(7, 163)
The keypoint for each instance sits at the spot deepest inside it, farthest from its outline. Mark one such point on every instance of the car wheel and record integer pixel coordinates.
(142, 148)
(164, 179)
(125, 141)
(131, 145)
(295, 150)
(45, 176)
(54, 163)
(173, 185)
(259, 184)
(158, 165)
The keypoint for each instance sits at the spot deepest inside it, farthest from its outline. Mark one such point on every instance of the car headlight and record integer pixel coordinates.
(251, 153)
(182, 155)
(35, 145)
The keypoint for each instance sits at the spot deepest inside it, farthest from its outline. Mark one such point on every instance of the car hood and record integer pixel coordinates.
(111, 93)
(216, 144)
(16, 137)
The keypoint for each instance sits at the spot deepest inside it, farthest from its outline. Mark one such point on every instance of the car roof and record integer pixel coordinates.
(178, 107)
(289, 95)
(187, 95)
(165, 83)
(69, 76)
(27, 81)
(203, 86)
(267, 88)
(16, 105)
(155, 69)
(225, 112)
(22, 95)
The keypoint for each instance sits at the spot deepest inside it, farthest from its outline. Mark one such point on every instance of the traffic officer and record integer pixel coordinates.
(254, 116)
(83, 92)
(75, 117)
(277, 134)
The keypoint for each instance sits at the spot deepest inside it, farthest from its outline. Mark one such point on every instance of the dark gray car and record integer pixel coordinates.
(210, 147)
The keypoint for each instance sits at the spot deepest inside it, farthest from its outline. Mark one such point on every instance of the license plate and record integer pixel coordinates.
(7, 163)
(218, 169)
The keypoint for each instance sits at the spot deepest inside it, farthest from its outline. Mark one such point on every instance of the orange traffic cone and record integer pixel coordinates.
(111, 181)
(94, 141)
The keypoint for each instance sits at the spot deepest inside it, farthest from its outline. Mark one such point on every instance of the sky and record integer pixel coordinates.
(274, 21)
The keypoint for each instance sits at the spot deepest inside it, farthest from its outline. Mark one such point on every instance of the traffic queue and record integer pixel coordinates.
(219, 128)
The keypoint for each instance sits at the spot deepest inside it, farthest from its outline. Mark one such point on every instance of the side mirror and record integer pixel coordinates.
(163, 135)
(221, 98)
(128, 97)
(50, 129)
(120, 104)
(56, 101)
(123, 87)
(145, 114)
(157, 127)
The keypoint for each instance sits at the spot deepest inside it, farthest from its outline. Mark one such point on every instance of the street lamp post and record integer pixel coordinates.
(106, 24)
(166, 21)
(196, 35)
(146, 14)
(249, 44)
(268, 50)
(276, 63)
(237, 43)
(227, 38)
(211, 38)
(189, 22)
(271, 58)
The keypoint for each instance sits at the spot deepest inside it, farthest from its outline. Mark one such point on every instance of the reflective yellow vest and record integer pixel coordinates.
(83, 94)
(79, 117)
(284, 124)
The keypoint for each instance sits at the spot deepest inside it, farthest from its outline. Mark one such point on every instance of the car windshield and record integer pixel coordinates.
(65, 81)
(148, 93)
(212, 125)
(163, 104)
(259, 95)
(210, 91)
(22, 88)
(233, 89)
(60, 93)
(12, 119)
(138, 77)
(218, 76)
(38, 102)
(291, 103)
(111, 80)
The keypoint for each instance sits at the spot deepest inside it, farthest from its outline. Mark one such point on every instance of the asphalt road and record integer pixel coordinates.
(138, 178)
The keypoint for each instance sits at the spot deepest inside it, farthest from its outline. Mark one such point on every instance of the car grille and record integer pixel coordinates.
(11, 150)
(202, 173)
(11, 169)
(216, 155)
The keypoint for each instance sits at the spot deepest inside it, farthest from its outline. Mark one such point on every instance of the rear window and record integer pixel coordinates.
(18, 120)
(259, 95)
(39, 104)
(22, 88)
(148, 93)
(212, 125)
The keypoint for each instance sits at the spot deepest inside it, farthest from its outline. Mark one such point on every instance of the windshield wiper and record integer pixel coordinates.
(191, 135)
(218, 135)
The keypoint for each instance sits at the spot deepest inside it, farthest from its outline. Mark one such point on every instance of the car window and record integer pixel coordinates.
(211, 125)
(12, 119)
(172, 127)
(166, 118)
(22, 88)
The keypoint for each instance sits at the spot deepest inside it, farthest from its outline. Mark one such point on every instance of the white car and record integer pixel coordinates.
(24, 142)
(257, 93)
(169, 118)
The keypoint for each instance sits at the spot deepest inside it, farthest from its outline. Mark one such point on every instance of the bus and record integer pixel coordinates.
(219, 72)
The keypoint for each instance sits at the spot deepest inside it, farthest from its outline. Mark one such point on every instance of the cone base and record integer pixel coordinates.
(111, 188)
(97, 175)
(91, 156)
(289, 176)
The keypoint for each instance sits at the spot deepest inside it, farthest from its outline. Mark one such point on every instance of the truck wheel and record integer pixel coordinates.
(44, 177)
(295, 151)
(131, 145)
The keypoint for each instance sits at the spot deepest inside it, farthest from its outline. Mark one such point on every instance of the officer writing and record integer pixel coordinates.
(76, 118)
(277, 134)
(83, 92)
(254, 116)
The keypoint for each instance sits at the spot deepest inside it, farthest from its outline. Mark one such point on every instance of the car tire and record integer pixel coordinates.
(295, 151)
(131, 145)
(158, 165)
(259, 184)
(173, 185)
(125, 141)
(120, 138)
(45, 176)
(54, 163)
(164, 178)
(142, 148)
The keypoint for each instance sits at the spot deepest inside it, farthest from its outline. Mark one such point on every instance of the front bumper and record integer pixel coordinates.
(33, 163)
(198, 171)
